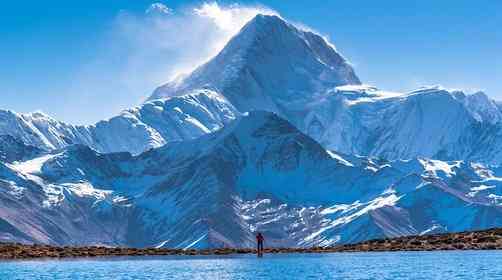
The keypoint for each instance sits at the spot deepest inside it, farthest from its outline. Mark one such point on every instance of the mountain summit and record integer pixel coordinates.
(273, 66)
(269, 65)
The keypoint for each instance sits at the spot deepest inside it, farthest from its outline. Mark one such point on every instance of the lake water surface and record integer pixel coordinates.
(398, 265)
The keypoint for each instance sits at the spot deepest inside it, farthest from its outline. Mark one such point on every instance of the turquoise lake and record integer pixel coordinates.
(392, 265)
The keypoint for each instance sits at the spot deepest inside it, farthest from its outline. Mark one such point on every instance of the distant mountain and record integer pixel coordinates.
(259, 173)
(136, 130)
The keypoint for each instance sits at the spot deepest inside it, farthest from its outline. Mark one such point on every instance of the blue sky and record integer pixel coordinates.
(82, 61)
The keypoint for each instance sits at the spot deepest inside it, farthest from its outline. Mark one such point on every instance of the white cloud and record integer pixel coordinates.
(154, 48)
(230, 18)
(144, 50)
(158, 8)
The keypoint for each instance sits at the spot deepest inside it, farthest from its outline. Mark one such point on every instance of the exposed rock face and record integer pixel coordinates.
(12, 149)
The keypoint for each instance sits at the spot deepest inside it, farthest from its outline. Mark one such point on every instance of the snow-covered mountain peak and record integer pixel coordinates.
(263, 23)
(267, 32)
(267, 65)
(39, 115)
(134, 130)
(482, 108)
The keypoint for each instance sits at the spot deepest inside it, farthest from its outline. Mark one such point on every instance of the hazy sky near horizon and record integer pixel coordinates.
(82, 61)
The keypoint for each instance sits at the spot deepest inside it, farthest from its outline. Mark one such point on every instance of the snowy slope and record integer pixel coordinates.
(430, 122)
(273, 66)
(258, 173)
(135, 130)
(269, 65)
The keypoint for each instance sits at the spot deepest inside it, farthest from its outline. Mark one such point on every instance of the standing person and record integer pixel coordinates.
(259, 243)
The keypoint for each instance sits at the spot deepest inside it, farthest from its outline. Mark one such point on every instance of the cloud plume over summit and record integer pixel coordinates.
(143, 50)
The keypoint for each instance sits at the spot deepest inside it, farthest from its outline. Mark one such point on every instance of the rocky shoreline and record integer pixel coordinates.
(476, 240)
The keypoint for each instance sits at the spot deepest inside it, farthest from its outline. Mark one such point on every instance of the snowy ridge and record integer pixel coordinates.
(259, 173)
(431, 122)
(266, 65)
(135, 130)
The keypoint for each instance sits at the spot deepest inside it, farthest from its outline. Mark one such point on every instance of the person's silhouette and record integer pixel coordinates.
(259, 243)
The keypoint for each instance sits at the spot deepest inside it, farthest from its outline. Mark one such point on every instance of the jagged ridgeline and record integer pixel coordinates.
(276, 133)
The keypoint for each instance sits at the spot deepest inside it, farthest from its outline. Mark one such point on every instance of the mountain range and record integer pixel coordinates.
(275, 134)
